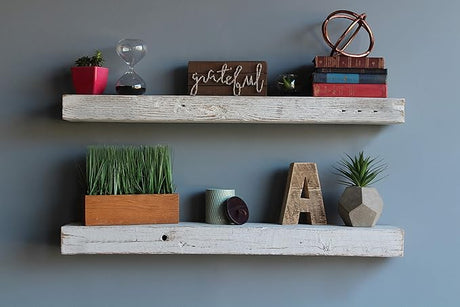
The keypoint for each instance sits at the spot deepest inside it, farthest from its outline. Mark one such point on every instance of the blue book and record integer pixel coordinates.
(349, 78)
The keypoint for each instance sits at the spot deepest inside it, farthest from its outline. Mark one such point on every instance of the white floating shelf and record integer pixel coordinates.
(248, 239)
(232, 109)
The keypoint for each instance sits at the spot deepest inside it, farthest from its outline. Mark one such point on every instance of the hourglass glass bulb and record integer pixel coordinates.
(131, 50)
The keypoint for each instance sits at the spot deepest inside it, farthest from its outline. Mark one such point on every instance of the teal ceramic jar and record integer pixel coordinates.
(215, 205)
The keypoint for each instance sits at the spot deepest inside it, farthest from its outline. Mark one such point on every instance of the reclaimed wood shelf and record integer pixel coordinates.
(247, 239)
(232, 109)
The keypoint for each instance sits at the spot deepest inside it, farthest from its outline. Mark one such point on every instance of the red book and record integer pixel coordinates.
(341, 61)
(349, 90)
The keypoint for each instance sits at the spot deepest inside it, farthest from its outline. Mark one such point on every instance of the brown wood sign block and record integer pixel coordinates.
(131, 209)
(303, 196)
(246, 78)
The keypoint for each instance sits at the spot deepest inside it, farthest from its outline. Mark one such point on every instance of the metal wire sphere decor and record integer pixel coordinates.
(358, 22)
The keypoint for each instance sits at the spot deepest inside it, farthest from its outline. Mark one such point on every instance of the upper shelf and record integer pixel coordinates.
(233, 109)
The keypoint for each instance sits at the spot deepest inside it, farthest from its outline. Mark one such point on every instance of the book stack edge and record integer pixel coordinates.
(342, 76)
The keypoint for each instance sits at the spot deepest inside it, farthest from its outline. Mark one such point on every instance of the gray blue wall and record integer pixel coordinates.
(39, 188)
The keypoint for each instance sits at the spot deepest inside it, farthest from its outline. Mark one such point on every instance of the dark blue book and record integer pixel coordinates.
(349, 78)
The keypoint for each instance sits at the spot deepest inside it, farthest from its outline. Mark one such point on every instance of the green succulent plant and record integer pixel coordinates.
(360, 170)
(287, 82)
(96, 60)
(115, 170)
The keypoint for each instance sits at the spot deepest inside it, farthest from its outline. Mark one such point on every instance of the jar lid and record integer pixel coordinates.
(237, 210)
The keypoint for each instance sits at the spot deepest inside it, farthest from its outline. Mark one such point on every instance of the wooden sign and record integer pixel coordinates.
(227, 78)
(303, 196)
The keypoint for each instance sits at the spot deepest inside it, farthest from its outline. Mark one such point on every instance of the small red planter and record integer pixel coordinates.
(90, 79)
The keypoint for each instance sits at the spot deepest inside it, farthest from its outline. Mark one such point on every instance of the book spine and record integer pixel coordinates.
(349, 90)
(349, 78)
(375, 71)
(348, 62)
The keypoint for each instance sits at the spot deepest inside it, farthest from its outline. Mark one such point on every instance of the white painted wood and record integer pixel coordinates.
(233, 109)
(248, 239)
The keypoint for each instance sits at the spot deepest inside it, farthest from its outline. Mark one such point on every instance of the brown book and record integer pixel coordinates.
(340, 61)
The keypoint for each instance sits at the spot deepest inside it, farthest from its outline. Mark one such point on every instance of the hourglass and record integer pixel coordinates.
(131, 51)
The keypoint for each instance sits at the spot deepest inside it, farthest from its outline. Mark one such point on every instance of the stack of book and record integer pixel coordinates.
(342, 76)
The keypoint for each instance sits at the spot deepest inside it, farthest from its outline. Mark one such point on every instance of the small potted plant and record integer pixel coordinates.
(360, 205)
(286, 84)
(129, 185)
(88, 75)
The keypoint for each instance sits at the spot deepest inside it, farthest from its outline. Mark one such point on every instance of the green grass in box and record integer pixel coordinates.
(116, 170)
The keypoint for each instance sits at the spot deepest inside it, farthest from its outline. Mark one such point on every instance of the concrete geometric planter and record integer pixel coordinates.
(360, 206)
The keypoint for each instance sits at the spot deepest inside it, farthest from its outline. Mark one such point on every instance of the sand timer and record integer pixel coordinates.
(131, 51)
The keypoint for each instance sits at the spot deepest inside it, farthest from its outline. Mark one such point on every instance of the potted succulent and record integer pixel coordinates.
(286, 84)
(360, 205)
(130, 185)
(88, 75)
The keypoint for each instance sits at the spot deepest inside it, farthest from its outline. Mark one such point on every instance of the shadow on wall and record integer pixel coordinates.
(60, 83)
(63, 204)
(68, 202)
(195, 210)
(180, 80)
(215, 272)
(274, 197)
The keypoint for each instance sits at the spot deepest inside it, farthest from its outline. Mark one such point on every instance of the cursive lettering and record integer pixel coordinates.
(223, 76)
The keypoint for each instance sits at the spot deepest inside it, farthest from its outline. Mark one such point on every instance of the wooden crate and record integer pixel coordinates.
(131, 209)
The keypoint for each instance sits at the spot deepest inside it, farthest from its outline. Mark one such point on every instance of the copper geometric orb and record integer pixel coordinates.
(358, 22)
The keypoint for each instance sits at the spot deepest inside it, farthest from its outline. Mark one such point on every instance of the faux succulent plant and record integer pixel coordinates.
(287, 82)
(360, 170)
(96, 60)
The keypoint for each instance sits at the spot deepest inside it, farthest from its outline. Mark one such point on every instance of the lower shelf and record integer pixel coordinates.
(248, 239)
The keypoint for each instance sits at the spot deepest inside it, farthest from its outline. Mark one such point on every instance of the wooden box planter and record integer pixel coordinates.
(131, 209)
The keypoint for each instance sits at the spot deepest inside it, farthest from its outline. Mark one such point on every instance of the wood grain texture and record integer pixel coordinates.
(303, 195)
(231, 109)
(131, 209)
(247, 239)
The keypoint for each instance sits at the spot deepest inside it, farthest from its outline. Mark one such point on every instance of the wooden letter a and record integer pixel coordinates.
(303, 196)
